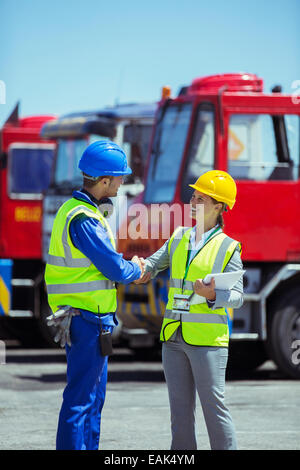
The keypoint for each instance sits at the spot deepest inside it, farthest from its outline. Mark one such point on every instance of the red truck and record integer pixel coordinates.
(25, 171)
(228, 122)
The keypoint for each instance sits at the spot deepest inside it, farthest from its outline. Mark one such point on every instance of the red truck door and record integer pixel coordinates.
(263, 158)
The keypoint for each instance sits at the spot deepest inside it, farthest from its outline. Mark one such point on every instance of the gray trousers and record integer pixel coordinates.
(190, 368)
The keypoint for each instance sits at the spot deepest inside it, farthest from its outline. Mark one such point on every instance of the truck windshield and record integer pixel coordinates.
(69, 152)
(30, 167)
(135, 142)
(167, 153)
(201, 152)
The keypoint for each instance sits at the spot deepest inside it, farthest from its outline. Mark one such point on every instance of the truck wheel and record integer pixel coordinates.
(24, 330)
(147, 354)
(284, 334)
(245, 355)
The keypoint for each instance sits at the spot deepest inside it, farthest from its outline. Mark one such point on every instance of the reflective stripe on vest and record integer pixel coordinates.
(79, 287)
(176, 239)
(217, 266)
(196, 317)
(71, 278)
(201, 325)
(68, 260)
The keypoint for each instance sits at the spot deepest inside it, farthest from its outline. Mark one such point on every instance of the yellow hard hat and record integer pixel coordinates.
(217, 184)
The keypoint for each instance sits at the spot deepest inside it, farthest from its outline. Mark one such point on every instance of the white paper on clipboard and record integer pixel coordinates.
(224, 281)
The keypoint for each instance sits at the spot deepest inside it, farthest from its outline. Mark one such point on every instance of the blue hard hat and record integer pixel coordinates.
(103, 158)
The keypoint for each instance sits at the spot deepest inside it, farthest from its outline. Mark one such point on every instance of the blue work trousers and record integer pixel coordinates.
(84, 395)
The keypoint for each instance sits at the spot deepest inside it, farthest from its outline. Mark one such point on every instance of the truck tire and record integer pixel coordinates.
(244, 356)
(284, 333)
(147, 354)
(25, 330)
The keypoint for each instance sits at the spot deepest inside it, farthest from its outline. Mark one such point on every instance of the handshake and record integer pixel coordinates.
(144, 277)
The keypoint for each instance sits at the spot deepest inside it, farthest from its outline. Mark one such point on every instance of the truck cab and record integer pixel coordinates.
(25, 171)
(227, 122)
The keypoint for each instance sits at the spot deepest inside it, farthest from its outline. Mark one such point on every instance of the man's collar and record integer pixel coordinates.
(92, 198)
(84, 195)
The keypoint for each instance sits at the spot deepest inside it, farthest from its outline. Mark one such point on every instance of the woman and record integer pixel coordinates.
(195, 329)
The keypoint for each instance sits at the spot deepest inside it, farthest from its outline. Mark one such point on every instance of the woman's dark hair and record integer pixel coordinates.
(220, 220)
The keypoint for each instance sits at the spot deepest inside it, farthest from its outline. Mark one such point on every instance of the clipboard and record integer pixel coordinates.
(224, 281)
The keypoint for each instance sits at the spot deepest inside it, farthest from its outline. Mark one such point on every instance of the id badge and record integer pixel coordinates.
(181, 303)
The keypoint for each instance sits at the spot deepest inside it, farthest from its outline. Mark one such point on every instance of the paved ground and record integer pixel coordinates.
(264, 405)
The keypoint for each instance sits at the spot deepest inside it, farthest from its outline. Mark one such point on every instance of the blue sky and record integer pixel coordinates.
(60, 56)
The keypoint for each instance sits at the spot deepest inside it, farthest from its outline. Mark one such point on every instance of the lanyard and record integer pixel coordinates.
(189, 252)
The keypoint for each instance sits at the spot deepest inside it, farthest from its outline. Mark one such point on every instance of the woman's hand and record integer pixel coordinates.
(205, 290)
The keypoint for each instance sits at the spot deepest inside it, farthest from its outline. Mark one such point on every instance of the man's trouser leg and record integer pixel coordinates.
(93, 420)
(79, 421)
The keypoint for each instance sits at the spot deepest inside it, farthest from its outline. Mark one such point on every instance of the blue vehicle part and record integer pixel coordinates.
(229, 313)
(5, 285)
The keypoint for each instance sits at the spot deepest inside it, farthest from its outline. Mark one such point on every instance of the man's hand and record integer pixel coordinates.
(140, 262)
(205, 290)
(144, 277)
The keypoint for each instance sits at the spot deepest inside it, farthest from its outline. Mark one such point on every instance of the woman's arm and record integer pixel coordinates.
(160, 260)
(157, 262)
(232, 298)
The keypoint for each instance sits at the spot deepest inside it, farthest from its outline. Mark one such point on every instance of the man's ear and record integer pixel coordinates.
(106, 181)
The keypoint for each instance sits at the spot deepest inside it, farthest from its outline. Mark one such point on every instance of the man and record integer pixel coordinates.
(83, 266)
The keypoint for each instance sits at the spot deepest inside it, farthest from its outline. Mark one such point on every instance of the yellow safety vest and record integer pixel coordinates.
(71, 278)
(201, 326)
